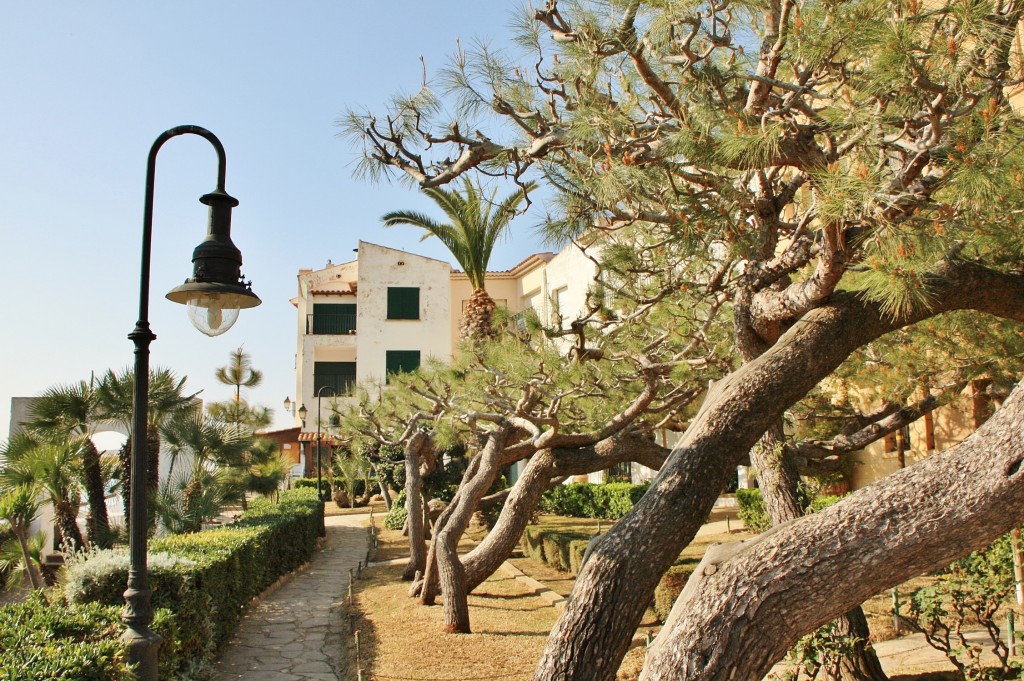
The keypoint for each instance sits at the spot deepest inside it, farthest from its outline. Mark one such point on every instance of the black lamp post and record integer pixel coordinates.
(319, 416)
(214, 295)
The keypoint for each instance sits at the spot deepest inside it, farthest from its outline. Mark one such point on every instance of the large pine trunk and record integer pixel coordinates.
(480, 475)
(760, 596)
(779, 480)
(501, 541)
(595, 629)
(414, 507)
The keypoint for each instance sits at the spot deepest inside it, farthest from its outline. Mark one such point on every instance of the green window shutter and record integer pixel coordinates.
(339, 376)
(330, 318)
(403, 302)
(398, 361)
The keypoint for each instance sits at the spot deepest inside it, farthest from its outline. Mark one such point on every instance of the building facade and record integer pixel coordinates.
(390, 310)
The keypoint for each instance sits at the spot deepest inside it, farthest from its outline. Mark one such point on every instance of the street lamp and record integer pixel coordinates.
(214, 295)
(319, 412)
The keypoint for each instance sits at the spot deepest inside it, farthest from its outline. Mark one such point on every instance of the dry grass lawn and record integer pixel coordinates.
(401, 640)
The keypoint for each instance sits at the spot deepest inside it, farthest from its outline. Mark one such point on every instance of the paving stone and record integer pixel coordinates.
(285, 636)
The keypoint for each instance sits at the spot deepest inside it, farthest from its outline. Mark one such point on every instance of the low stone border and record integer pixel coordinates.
(539, 589)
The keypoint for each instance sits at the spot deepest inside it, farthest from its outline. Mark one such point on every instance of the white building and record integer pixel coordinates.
(390, 310)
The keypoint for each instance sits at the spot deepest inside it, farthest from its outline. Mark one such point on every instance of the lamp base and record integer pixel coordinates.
(142, 652)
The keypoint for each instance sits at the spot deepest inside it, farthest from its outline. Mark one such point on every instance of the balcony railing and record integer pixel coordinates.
(336, 324)
(343, 385)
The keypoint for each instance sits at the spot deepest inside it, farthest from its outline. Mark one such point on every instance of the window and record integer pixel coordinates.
(340, 376)
(620, 472)
(333, 318)
(403, 302)
(399, 361)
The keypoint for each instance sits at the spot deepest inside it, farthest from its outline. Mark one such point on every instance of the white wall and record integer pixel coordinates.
(431, 334)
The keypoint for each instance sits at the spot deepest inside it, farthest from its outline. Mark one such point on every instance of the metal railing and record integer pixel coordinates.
(343, 385)
(334, 324)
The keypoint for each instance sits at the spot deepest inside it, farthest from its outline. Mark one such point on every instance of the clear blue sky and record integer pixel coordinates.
(86, 88)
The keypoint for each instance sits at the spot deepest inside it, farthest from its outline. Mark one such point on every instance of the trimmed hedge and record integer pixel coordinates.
(208, 578)
(42, 641)
(564, 550)
(395, 519)
(755, 517)
(609, 501)
(670, 586)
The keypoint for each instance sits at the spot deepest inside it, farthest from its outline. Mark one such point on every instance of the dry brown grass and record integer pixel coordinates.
(404, 641)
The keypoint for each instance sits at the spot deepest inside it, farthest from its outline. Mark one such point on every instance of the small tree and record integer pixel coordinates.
(475, 224)
(19, 506)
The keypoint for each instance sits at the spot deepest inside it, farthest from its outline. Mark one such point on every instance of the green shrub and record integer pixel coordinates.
(755, 517)
(395, 519)
(562, 550)
(208, 578)
(43, 641)
(609, 501)
(971, 591)
(310, 483)
(752, 511)
(670, 586)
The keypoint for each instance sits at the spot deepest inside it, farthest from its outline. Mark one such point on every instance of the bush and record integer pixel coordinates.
(395, 519)
(609, 501)
(206, 579)
(755, 517)
(752, 511)
(562, 550)
(670, 586)
(310, 483)
(971, 591)
(43, 641)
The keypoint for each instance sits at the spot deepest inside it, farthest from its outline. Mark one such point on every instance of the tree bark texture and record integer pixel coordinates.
(451, 573)
(414, 506)
(593, 634)
(758, 597)
(35, 577)
(501, 541)
(779, 481)
(64, 515)
(543, 467)
(97, 523)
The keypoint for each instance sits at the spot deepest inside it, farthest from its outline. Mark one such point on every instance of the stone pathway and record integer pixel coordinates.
(295, 632)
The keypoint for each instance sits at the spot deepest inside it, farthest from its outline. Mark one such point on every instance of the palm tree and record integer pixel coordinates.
(212, 445)
(19, 506)
(66, 413)
(52, 467)
(166, 398)
(475, 225)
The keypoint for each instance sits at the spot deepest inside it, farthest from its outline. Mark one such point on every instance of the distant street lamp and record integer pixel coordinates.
(289, 406)
(319, 412)
(214, 295)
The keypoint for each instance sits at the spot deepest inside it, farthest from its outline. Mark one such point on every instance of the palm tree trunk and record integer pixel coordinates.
(476, 323)
(64, 515)
(125, 458)
(97, 524)
(35, 577)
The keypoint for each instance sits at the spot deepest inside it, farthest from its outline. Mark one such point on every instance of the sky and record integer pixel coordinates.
(86, 89)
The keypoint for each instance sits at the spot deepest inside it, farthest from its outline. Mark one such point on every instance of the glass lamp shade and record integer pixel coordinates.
(212, 307)
(210, 316)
